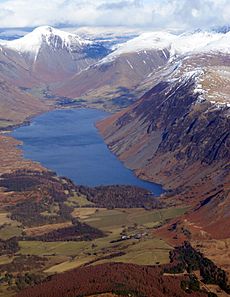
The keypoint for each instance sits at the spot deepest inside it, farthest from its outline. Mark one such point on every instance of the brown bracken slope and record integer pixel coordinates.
(113, 277)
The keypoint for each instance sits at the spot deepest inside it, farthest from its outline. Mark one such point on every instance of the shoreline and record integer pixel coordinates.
(28, 122)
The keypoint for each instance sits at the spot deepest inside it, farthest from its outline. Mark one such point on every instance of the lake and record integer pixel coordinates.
(67, 142)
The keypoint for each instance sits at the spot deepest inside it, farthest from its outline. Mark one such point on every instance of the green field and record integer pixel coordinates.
(67, 265)
(39, 248)
(105, 219)
(5, 260)
(9, 228)
(9, 231)
(146, 252)
(79, 201)
(147, 249)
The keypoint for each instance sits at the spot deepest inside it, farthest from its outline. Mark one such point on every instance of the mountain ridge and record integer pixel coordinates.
(177, 135)
(164, 48)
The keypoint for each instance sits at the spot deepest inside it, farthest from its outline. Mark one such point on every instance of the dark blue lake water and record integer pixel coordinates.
(67, 142)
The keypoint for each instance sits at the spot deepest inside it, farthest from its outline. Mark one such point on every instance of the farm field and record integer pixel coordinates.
(141, 248)
(44, 236)
(8, 227)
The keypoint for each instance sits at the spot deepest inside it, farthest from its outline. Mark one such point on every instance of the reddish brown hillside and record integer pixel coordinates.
(115, 277)
(16, 106)
(172, 137)
(113, 79)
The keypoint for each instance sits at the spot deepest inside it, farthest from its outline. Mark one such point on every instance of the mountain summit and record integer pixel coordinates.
(46, 36)
(52, 54)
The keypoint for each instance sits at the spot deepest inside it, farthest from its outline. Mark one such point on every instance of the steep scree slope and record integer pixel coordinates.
(174, 136)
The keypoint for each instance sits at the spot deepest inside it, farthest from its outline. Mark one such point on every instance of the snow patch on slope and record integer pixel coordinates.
(221, 44)
(146, 41)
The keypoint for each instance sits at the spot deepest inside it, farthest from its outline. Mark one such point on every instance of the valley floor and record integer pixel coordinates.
(33, 238)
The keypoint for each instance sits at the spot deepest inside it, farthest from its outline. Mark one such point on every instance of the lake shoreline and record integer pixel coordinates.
(60, 110)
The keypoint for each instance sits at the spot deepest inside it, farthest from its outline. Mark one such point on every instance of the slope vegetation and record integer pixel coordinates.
(177, 136)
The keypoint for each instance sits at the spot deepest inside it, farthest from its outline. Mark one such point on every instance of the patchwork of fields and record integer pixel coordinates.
(58, 227)
(128, 238)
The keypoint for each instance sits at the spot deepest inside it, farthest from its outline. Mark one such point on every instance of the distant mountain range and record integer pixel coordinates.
(123, 71)
(171, 92)
(52, 63)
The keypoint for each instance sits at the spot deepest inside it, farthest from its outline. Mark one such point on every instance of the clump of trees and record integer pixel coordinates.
(6, 278)
(41, 184)
(192, 284)
(23, 180)
(24, 263)
(31, 212)
(120, 196)
(77, 232)
(9, 246)
(41, 191)
(21, 281)
(186, 258)
(27, 279)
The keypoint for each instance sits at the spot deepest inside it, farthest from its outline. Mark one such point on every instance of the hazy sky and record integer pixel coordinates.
(156, 14)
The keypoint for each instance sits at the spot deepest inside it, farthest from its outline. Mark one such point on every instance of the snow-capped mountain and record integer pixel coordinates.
(54, 54)
(184, 44)
(56, 39)
(85, 68)
(124, 70)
